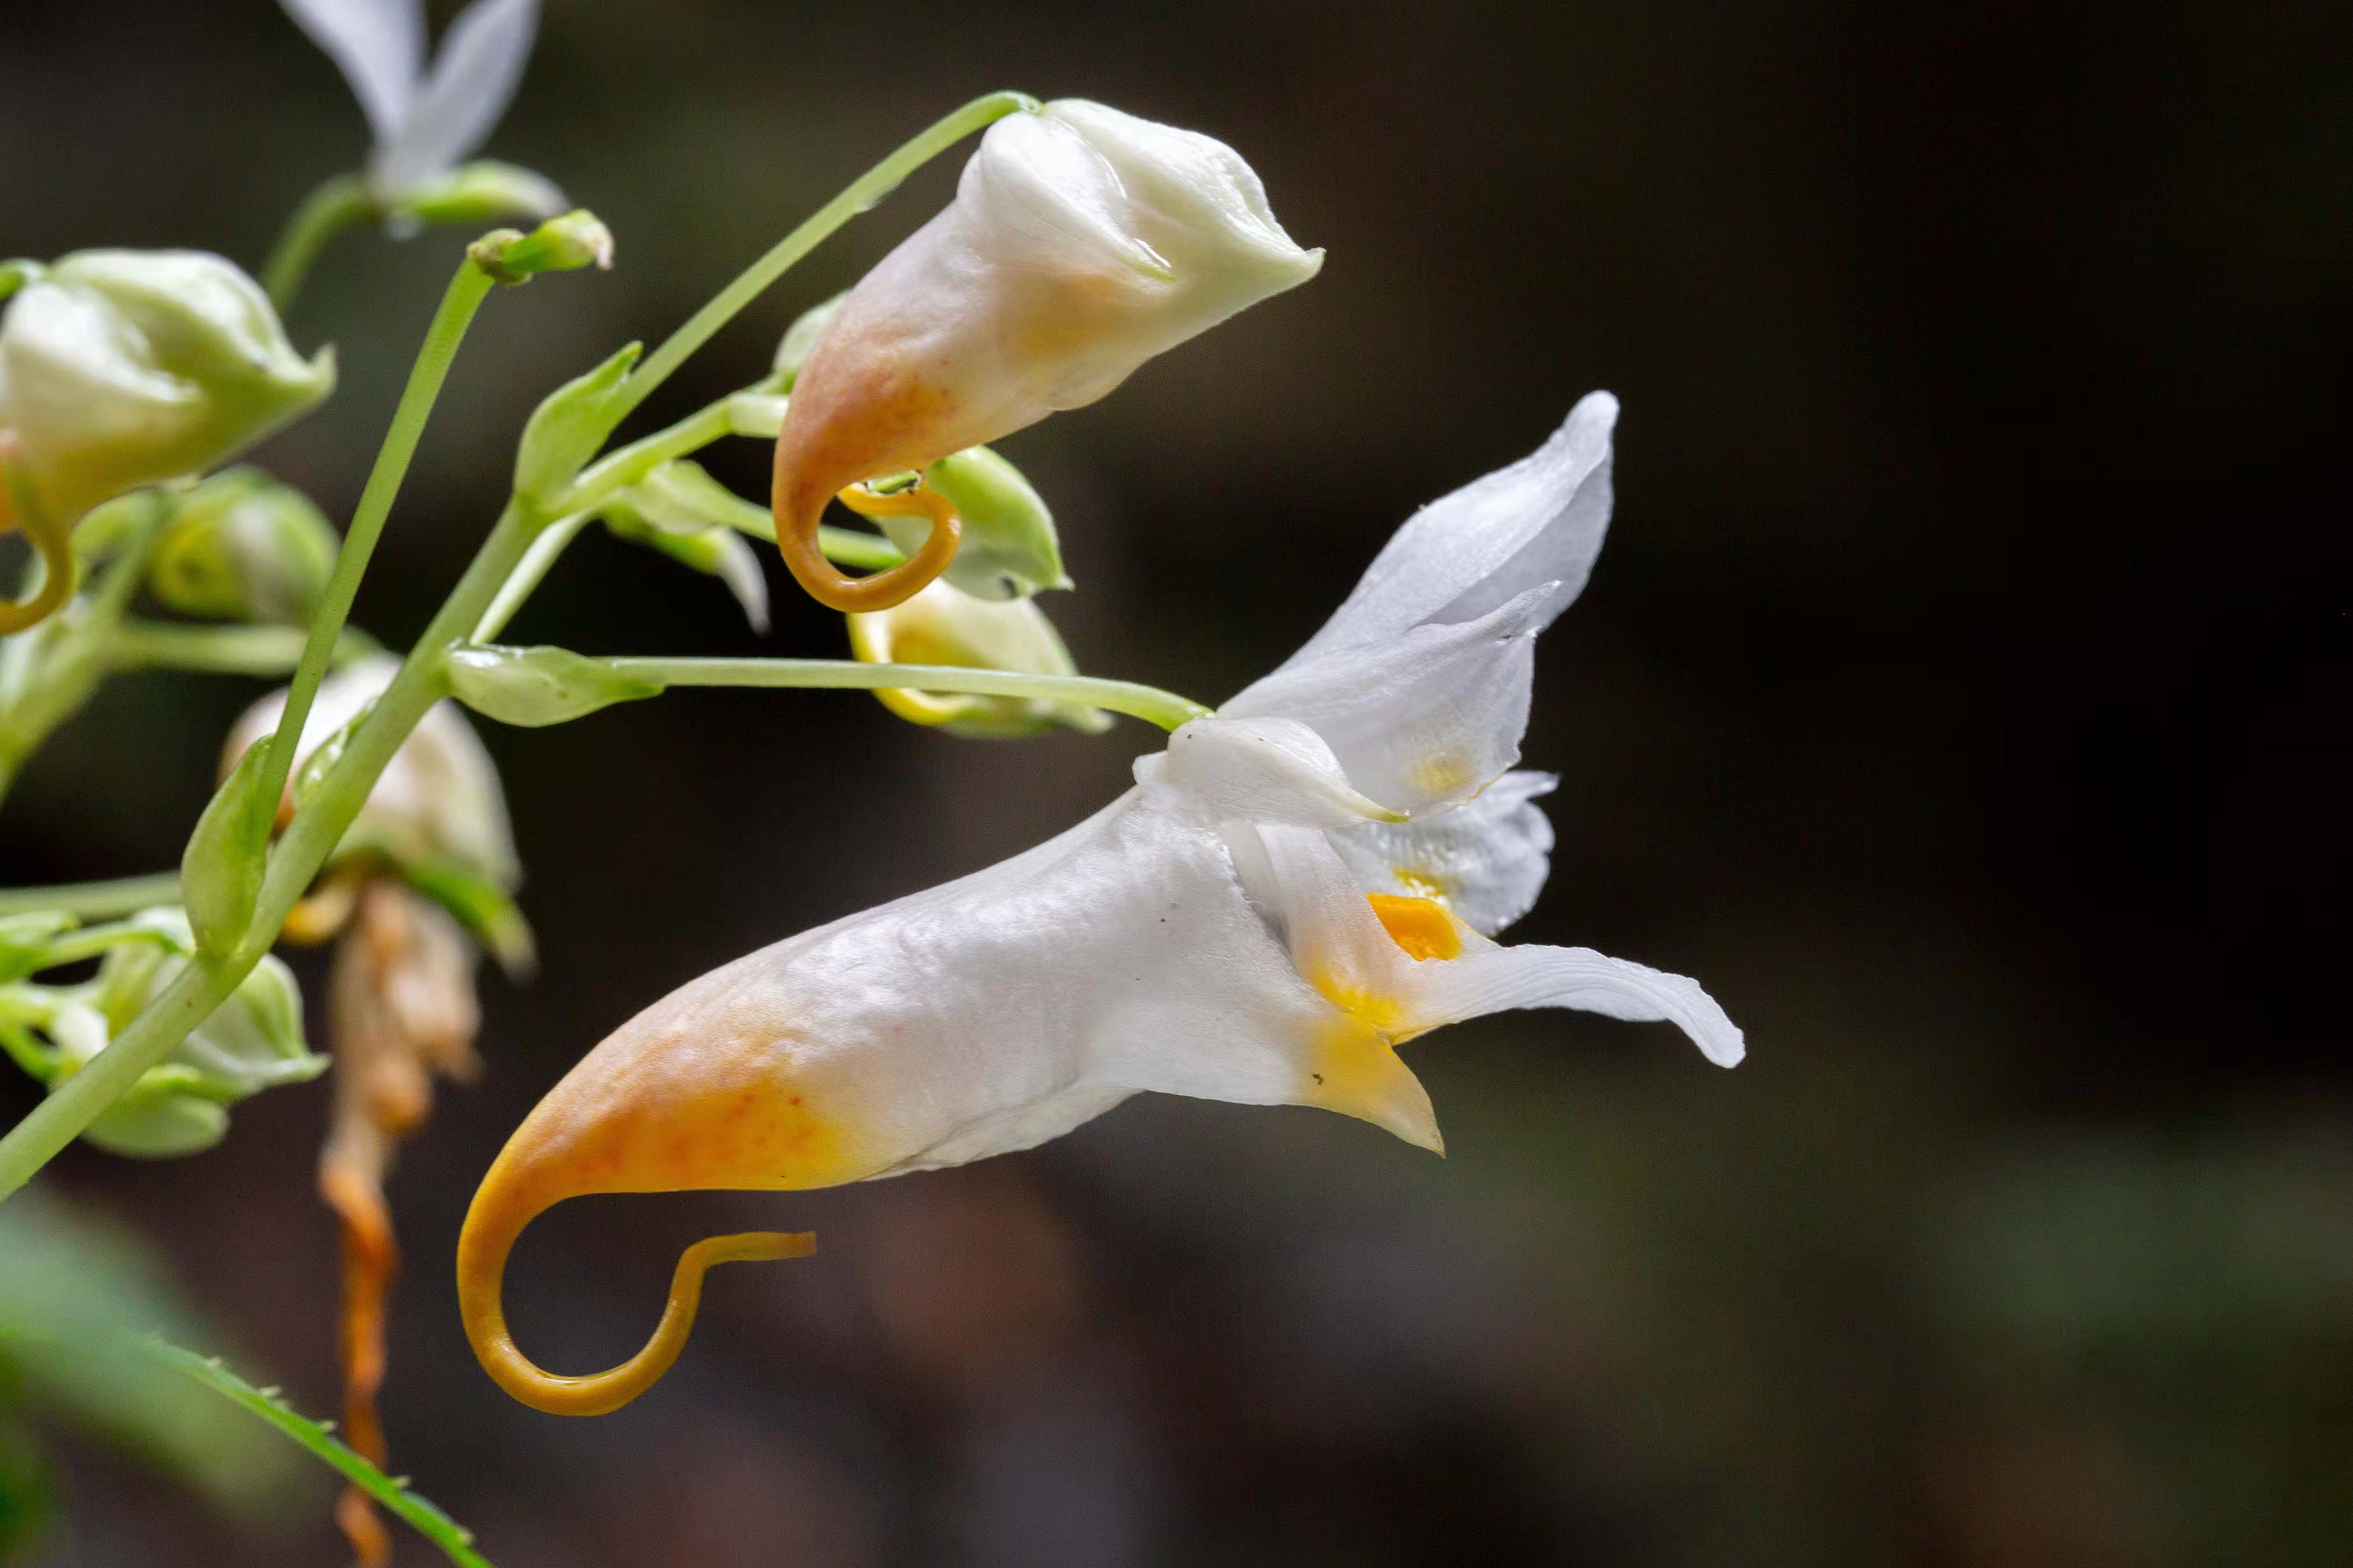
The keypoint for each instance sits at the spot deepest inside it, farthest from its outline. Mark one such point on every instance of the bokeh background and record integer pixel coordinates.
(1963, 695)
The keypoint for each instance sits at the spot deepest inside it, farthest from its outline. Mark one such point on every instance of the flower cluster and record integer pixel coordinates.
(1303, 882)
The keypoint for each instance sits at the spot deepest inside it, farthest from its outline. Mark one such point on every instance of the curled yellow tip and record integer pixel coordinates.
(498, 1216)
(800, 507)
(49, 539)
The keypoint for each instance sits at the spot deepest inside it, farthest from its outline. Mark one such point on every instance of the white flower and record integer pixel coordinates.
(1253, 922)
(1083, 241)
(438, 798)
(424, 123)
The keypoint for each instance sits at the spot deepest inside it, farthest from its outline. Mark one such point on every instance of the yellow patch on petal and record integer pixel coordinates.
(1444, 774)
(1422, 927)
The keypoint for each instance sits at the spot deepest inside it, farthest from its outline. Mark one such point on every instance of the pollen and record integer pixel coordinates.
(1420, 926)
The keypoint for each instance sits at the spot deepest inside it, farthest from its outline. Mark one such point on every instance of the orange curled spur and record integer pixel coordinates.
(800, 501)
(650, 1110)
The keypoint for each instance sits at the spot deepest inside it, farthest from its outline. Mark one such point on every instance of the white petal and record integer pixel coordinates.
(440, 792)
(1424, 719)
(1039, 196)
(474, 79)
(1191, 197)
(1256, 770)
(1497, 979)
(380, 46)
(1485, 860)
(1540, 521)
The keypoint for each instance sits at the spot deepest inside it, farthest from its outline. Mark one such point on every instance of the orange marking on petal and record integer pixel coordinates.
(1420, 926)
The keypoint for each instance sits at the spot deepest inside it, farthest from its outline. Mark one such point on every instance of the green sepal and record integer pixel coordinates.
(569, 428)
(322, 758)
(220, 874)
(536, 686)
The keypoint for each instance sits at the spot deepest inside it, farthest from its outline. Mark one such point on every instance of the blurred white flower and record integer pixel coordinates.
(1082, 242)
(425, 122)
(437, 799)
(1296, 886)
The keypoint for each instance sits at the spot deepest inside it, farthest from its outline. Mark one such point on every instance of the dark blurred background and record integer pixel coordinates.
(1963, 695)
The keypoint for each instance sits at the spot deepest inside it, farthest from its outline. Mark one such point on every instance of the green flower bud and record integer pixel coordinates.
(578, 238)
(536, 686)
(253, 1041)
(943, 624)
(484, 191)
(244, 547)
(122, 368)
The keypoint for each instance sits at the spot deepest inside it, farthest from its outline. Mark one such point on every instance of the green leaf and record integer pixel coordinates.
(456, 1541)
(77, 1290)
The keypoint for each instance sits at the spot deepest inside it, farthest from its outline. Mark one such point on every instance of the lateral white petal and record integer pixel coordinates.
(1486, 859)
(474, 78)
(1425, 719)
(379, 45)
(1495, 979)
(1540, 521)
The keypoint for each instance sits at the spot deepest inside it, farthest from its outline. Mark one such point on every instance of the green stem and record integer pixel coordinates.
(464, 297)
(209, 979)
(1149, 703)
(869, 189)
(529, 572)
(221, 650)
(95, 900)
(623, 466)
(339, 203)
(454, 1539)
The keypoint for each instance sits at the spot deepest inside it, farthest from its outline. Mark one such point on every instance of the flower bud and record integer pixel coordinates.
(578, 238)
(253, 1041)
(944, 625)
(439, 796)
(529, 686)
(122, 368)
(243, 547)
(484, 191)
(1082, 242)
